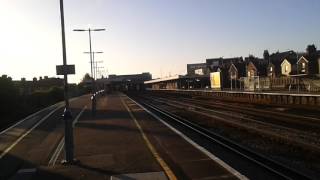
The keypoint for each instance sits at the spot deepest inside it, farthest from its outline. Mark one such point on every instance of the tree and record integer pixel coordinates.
(266, 55)
(311, 49)
(9, 95)
(82, 86)
(86, 78)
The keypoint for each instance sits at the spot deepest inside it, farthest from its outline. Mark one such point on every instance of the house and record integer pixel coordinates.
(222, 62)
(214, 63)
(255, 66)
(255, 69)
(43, 84)
(303, 65)
(317, 64)
(309, 64)
(288, 67)
(274, 63)
(222, 65)
(236, 71)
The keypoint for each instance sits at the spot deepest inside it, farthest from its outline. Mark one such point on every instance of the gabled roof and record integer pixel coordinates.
(222, 63)
(285, 61)
(241, 68)
(302, 57)
(214, 68)
(259, 63)
(277, 58)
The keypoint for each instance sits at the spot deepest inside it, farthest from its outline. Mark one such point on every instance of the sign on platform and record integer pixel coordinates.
(65, 69)
(215, 80)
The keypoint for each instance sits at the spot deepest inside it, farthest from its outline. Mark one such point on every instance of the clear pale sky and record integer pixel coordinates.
(156, 36)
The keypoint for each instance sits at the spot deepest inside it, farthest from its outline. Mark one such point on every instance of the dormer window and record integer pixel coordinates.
(271, 69)
(286, 68)
(303, 67)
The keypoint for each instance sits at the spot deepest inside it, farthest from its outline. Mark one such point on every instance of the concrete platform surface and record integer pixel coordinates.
(124, 142)
(141, 176)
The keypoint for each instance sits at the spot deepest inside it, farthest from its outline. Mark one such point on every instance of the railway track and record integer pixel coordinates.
(281, 170)
(304, 123)
(239, 120)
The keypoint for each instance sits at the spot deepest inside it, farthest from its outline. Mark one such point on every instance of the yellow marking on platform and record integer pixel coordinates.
(162, 163)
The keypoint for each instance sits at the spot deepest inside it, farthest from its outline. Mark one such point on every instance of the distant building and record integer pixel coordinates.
(130, 82)
(28, 87)
(274, 68)
(236, 71)
(255, 66)
(47, 83)
(197, 69)
(222, 63)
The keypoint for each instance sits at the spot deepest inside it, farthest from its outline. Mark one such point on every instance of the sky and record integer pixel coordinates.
(156, 36)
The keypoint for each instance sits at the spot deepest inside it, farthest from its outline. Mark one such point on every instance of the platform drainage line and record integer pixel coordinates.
(162, 163)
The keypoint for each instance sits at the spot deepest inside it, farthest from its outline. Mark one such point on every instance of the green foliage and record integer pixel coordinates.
(15, 105)
(8, 99)
(40, 99)
(311, 49)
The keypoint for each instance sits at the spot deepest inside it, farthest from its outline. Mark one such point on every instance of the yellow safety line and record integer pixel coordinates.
(162, 163)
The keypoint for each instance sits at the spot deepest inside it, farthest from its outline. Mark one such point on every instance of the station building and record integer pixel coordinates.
(129, 82)
(179, 82)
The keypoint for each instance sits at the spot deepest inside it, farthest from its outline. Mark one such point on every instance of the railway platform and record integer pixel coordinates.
(124, 141)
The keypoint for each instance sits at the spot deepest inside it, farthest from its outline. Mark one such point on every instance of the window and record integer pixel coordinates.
(198, 71)
(303, 67)
(233, 75)
(271, 69)
(286, 68)
(252, 72)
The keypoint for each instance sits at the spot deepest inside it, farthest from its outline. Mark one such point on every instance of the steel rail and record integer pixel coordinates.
(258, 159)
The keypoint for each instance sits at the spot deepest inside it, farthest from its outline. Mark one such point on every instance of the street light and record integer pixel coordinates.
(91, 55)
(93, 104)
(67, 117)
(93, 71)
(97, 68)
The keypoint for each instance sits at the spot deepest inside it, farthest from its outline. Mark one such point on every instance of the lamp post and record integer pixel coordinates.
(99, 71)
(92, 62)
(67, 117)
(93, 98)
(97, 68)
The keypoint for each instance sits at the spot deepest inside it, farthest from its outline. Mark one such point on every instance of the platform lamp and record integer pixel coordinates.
(93, 98)
(93, 72)
(67, 117)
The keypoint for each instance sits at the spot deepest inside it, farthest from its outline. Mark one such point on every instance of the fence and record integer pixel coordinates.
(298, 84)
